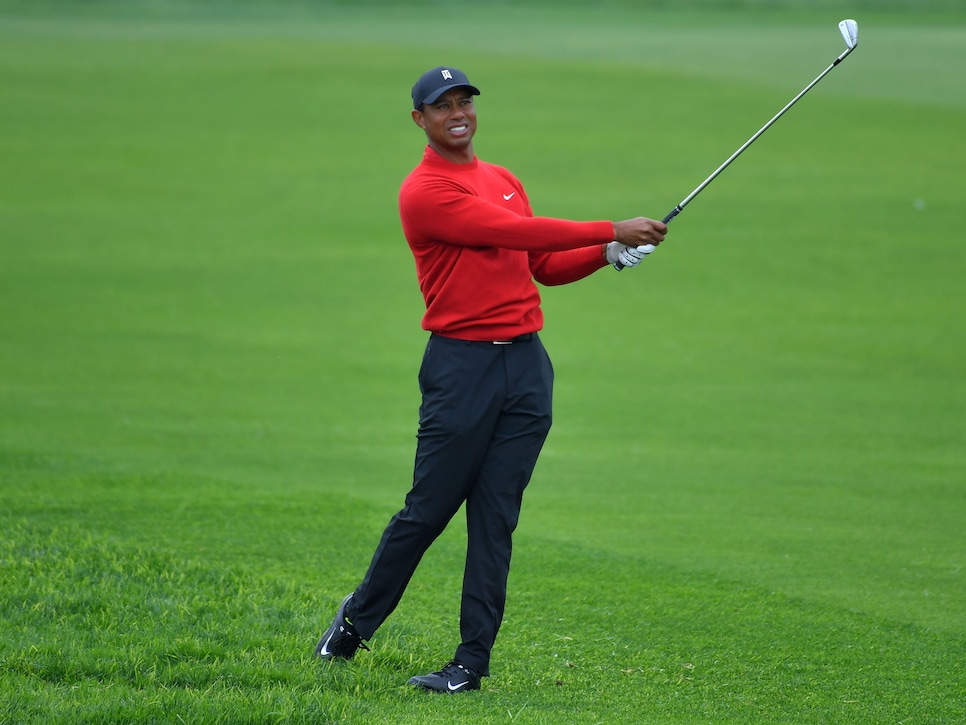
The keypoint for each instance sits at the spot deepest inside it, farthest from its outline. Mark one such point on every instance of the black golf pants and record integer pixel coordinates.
(485, 414)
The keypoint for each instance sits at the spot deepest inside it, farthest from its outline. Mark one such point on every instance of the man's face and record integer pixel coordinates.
(449, 122)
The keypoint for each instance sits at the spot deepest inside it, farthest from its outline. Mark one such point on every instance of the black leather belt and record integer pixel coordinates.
(512, 341)
(519, 338)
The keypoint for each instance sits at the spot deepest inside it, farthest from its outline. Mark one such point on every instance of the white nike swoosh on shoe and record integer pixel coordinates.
(325, 647)
(507, 197)
(454, 688)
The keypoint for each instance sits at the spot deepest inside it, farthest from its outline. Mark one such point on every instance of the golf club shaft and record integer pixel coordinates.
(680, 207)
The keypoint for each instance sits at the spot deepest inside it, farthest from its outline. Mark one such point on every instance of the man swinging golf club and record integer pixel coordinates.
(485, 379)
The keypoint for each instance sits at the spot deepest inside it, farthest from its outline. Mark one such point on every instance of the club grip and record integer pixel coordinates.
(674, 212)
(667, 220)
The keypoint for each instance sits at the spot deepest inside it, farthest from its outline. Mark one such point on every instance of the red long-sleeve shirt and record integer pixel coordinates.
(478, 248)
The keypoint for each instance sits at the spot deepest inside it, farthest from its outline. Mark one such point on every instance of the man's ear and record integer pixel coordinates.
(418, 119)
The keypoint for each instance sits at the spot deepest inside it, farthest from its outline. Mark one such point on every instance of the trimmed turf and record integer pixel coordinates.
(750, 508)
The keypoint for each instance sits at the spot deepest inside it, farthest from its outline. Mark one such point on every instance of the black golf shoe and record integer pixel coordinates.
(341, 639)
(453, 678)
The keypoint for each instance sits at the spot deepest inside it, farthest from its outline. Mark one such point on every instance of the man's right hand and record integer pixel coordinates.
(640, 231)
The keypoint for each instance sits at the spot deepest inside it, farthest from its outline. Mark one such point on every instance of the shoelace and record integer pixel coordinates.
(452, 668)
(352, 638)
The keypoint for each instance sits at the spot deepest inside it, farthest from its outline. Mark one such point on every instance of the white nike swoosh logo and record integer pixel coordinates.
(507, 197)
(325, 647)
(450, 685)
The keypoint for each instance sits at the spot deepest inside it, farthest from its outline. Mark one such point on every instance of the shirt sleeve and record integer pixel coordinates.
(558, 268)
(428, 211)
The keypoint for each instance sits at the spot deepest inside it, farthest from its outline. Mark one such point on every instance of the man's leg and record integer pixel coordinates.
(493, 506)
(462, 393)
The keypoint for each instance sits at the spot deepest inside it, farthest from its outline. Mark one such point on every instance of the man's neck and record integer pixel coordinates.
(463, 155)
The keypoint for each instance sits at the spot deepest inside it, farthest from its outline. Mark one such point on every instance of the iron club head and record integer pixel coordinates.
(850, 31)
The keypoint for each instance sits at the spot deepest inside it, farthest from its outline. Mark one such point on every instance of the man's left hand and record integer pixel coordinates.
(628, 256)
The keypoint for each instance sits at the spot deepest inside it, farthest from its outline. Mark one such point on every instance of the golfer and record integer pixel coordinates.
(486, 380)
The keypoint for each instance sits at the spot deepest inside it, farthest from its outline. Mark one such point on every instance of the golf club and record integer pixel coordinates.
(850, 31)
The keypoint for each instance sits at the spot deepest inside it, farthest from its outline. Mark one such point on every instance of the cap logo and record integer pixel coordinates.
(447, 76)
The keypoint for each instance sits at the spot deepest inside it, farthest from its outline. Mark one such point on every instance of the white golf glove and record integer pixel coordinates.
(628, 256)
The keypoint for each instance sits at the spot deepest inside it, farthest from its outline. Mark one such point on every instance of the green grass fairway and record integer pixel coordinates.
(752, 507)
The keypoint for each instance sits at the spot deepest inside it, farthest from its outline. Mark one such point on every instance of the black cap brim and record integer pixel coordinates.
(434, 96)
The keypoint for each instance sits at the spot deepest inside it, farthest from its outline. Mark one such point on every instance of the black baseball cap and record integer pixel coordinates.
(434, 83)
